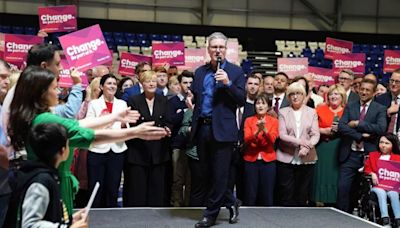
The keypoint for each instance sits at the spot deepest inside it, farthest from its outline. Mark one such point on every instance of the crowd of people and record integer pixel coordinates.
(214, 137)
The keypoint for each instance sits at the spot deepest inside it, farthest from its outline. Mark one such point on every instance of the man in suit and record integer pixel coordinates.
(391, 101)
(360, 127)
(218, 89)
(269, 85)
(346, 78)
(281, 81)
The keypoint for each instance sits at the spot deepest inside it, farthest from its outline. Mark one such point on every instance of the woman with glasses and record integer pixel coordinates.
(296, 154)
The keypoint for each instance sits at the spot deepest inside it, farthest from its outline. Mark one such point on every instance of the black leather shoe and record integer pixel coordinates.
(205, 222)
(234, 212)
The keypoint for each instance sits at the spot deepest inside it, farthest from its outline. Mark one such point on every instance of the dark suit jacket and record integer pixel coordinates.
(225, 102)
(176, 111)
(143, 152)
(386, 100)
(353, 97)
(374, 124)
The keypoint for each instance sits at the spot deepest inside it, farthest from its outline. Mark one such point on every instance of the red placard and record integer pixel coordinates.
(293, 66)
(391, 61)
(354, 62)
(57, 18)
(194, 57)
(65, 80)
(128, 63)
(16, 46)
(335, 46)
(86, 48)
(170, 53)
(322, 76)
(389, 175)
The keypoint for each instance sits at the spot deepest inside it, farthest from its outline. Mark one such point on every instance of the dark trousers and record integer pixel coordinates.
(259, 177)
(294, 182)
(105, 169)
(349, 181)
(145, 186)
(211, 173)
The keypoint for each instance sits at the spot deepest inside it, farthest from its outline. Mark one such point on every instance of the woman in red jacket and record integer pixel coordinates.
(260, 133)
(388, 150)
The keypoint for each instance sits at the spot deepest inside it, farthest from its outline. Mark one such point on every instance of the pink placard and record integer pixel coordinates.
(128, 63)
(293, 66)
(2, 45)
(57, 18)
(16, 47)
(171, 53)
(322, 76)
(389, 175)
(194, 57)
(354, 62)
(65, 80)
(86, 48)
(232, 51)
(335, 46)
(391, 61)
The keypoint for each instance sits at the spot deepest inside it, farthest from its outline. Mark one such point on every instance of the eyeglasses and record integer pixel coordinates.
(214, 48)
(295, 94)
(344, 78)
(397, 82)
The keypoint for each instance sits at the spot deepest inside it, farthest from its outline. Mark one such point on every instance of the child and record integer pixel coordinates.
(388, 150)
(36, 202)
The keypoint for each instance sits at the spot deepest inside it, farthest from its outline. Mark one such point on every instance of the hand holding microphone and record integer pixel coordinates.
(220, 75)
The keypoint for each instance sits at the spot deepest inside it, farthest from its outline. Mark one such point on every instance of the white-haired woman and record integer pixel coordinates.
(296, 155)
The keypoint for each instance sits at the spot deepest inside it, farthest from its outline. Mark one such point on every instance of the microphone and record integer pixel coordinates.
(219, 60)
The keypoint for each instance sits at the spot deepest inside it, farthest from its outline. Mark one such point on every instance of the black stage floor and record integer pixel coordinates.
(250, 217)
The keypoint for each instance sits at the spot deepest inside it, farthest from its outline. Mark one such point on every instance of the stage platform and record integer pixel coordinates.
(250, 217)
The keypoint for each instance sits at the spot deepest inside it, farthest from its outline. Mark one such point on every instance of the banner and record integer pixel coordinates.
(2, 45)
(128, 63)
(171, 53)
(322, 76)
(194, 57)
(57, 18)
(86, 48)
(354, 62)
(293, 66)
(335, 46)
(16, 47)
(232, 51)
(391, 61)
(389, 175)
(65, 80)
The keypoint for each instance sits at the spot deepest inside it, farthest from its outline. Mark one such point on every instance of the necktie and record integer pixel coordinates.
(393, 119)
(276, 107)
(363, 112)
(239, 117)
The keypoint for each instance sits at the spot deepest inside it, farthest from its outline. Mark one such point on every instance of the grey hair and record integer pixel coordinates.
(217, 35)
(348, 71)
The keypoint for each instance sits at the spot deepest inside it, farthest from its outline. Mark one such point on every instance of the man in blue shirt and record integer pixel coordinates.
(217, 90)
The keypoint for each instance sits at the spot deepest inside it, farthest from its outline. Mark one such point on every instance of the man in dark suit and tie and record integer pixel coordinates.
(217, 90)
(346, 78)
(281, 81)
(391, 100)
(360, 127)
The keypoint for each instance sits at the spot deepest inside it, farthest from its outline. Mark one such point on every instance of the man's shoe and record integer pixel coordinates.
(234, 212)
(205, 222)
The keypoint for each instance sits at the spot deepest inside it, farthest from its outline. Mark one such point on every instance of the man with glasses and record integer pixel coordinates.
(218, 89)
(391, 100)
(346, 78)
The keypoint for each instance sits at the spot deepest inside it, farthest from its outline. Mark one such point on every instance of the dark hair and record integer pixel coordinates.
(394, 140)
(298, 78)
(40, 53)
(186, 74)
(139, 67)
(122, 81)
(104, 79)
(28, 102)
(5, 64)
(265, 97)
(282, 73)
(366, 80)
(253, 75)
(46, 140)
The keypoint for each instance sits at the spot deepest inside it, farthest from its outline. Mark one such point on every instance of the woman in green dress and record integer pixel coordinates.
(36, 92)
(327, 169)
